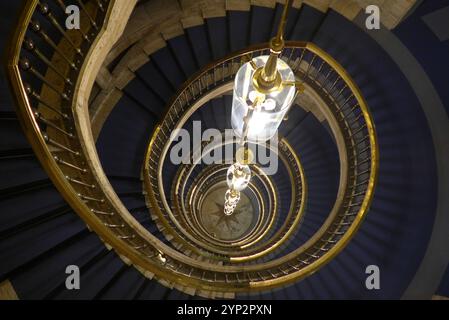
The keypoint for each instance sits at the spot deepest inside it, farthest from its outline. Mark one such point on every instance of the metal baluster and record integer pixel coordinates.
(207, 81)
(187, 101)
(68, 164)
(33, 93)
(364, 172)
(342, 89)
(293, 266)
(89, 16)
(312, 255)
(91, 186)
(152, 254)
(223, 72)
(361, 193)
(300, 60)
(274, 275)
(29, 45)
(353, 108)
(362, 141)
(302, 261)
(59, 145)
(361, 163)
(321, 249)
(352, 214)
(88, 198)
(356, 119)
(81, 32)
(191, 92)
(103, 213)
(237, 277)
(100, 5)
(289, 60)
(331, 241)
(26, 66)
(318, 71)
(171, 118)
(143, 246)
(112, 226)
(358, 130)
(310, 65)
(353, 205)
(45, 10)
(327, 75)
(52, 125)
(175, 107)
(127, 237)
(36, 27)
(333, 85)
(338, 233)
(154, 162)
(360, 183)
(200, 85)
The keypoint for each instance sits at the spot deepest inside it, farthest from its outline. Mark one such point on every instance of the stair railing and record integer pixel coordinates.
(44, 69)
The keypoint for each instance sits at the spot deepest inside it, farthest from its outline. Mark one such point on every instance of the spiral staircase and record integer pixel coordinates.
(87, 181)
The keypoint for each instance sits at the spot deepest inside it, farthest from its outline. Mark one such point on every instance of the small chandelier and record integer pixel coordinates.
(264, 90)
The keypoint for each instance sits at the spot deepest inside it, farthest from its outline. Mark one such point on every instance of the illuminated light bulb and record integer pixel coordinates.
(257, 123)
(269, 105)
(254, 94)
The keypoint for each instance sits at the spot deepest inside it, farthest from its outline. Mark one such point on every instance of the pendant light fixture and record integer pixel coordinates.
(264, 90)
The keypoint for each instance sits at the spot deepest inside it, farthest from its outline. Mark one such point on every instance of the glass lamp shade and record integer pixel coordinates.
(268, 116)
(238, 176)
